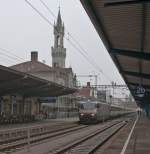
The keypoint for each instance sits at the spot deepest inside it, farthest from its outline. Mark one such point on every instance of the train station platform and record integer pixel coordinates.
(39, 123)
(134, 138)
(139, 142)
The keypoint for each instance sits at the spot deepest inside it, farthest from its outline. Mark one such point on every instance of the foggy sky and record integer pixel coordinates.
(22, 30)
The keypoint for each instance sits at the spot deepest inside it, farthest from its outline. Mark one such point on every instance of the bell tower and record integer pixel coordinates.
(58, 50)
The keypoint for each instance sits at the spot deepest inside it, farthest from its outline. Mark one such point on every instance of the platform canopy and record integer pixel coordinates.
(12, 81)
(124, 27)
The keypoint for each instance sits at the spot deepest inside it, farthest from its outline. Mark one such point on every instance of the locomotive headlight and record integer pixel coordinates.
(92, 114)
(81, 114)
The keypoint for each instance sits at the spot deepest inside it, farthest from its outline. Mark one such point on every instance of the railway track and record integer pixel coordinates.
(11, 145)
(80, 139)
(90, 143)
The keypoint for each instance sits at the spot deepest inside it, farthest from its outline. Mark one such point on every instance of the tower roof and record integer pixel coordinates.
(59, 21)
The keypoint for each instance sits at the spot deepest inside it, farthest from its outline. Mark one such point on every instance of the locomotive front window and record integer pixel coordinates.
(89, 106)
(81, 106)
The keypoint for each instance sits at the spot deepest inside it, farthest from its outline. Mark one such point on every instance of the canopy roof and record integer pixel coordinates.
(12, 81)
(124, 27)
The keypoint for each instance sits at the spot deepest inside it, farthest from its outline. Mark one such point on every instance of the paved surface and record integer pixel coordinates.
(50, 146)
(52, 121)
(140, 139)
(139, 142)
(116, 143)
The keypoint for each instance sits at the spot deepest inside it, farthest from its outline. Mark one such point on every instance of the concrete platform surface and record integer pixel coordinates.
(139, 142)
(36, 123)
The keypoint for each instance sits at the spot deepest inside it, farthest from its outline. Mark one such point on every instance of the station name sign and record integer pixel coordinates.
(48, 99)
(140, 91)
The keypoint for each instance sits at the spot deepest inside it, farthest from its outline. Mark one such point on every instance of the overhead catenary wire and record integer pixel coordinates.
(75, 40)
(9, 58)
(65, 37)
(39, 12)
(44, 16)
(35, 9)
(87, 58)
(11, 55)
(72, 44)
(49, 10)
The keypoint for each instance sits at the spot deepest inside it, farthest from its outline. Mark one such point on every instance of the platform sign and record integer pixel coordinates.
(140, 91)
(48, 99)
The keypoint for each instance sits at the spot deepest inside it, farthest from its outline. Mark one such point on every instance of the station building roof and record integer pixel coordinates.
(124, 27)
(12, 81)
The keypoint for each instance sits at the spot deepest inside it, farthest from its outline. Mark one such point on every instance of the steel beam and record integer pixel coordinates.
(137, 74)
(12, 81)
(142, 39)
(131, 53)
(137, 84)
(97, 22)
(125, 3)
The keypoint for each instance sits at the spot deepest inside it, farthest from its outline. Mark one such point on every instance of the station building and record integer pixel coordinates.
(20, 93)
(57, 73)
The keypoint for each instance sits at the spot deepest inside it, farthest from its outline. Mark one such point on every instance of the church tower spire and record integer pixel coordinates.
(59, 21)
(58, 51)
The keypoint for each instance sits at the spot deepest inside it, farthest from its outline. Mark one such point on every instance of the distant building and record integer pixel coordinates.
(58, 73)
(86, 92)
(63, 76)
(104, 96)
(16, 107)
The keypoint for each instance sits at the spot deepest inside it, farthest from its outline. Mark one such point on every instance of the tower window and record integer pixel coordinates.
(58, 39)
(55, 64)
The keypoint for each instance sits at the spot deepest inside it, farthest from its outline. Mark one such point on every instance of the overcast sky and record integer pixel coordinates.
(22, 30)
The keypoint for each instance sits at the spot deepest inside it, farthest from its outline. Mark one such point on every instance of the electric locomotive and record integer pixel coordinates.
(93, 111)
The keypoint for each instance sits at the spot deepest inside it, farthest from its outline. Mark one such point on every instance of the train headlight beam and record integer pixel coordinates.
(92, 114)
